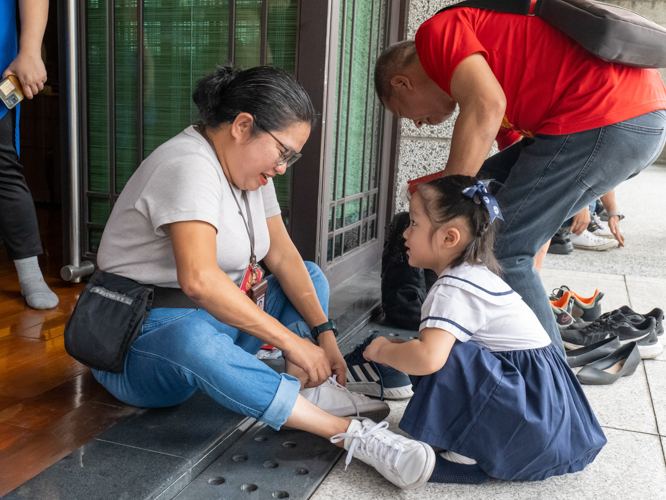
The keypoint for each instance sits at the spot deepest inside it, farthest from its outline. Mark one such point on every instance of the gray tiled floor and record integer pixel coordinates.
(632, 411)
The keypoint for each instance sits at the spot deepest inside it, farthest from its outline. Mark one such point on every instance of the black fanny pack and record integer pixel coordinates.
(108, 318)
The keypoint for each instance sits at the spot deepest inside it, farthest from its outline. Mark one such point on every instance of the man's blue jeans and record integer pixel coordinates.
(550, 178)
(182, 350)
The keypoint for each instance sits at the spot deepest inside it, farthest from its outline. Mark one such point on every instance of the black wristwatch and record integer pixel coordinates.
(329, 325)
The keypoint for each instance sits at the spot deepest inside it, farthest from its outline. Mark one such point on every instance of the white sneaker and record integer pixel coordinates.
(337, 400)
(405, 462)
(588, 241)
(602, 229)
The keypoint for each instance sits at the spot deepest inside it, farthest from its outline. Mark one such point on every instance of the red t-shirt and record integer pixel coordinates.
(552, 85)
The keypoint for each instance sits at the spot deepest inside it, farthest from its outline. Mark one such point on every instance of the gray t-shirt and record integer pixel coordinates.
(181, 180)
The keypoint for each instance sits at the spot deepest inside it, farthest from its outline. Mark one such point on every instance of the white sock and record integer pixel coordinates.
(454, 457)
(37, 293)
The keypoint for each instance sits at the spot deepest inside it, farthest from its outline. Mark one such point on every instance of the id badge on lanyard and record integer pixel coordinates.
(255, 285)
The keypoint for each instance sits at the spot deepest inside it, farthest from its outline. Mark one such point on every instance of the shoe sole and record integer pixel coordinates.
(376, 414)
(597, 248)
(569, 345)
(651, 351)
(427, 470)
(374, 390)
(560, 249)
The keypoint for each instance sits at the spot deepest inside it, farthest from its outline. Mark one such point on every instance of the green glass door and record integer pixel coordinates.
(354, 200)
(143, 59)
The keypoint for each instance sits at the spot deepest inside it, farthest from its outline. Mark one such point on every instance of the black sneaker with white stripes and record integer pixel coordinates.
(373, 379)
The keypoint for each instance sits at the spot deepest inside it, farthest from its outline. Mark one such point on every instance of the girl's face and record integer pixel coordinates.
(253, 159)
(419, 240)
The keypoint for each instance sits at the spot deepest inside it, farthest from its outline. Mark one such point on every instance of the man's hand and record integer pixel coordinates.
(309, 358)
(614, 226)
(30, 71)
(580, 221)
(371, 352)
(336, 361)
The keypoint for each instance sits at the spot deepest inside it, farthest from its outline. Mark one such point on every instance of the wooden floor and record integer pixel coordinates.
(49, 403)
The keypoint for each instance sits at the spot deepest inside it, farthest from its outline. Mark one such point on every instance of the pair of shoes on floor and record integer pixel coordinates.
(590, 241)
(560, 244)
(405, 462)
(373, 379)
(606, 361)
(623, 323)
(582, 310)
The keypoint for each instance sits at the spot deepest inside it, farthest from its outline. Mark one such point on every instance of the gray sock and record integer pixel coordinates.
(37, 293)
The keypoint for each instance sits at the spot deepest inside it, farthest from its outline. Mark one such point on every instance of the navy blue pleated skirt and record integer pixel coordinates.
(521, 415)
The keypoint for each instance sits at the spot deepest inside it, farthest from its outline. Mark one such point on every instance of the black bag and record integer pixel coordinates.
(404, 288)
(610, 32)
(106, 321)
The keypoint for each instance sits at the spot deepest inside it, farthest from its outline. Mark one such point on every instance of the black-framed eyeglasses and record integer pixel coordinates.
(288, 155)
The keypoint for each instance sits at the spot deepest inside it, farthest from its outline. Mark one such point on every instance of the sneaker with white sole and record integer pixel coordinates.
(588, 241)
(375, 379)
(598, 228)
(405, 462)
(339, 401)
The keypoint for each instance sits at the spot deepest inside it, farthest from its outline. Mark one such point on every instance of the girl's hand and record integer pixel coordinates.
(580, 221)
(371, 352)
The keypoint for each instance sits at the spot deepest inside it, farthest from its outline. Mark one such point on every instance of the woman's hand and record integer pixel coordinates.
(310, 358)
(336, 361)
(614, 226)
(371, 352)
(580, 221)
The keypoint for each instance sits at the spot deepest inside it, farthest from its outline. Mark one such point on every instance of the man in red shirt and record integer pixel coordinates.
(587, 125)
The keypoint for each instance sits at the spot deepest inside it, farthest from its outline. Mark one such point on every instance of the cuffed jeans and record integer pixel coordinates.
(550, 178)
(18, 220)
(182, 350)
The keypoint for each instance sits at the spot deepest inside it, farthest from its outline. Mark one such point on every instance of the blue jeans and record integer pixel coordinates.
(550, 178)
(182, 350)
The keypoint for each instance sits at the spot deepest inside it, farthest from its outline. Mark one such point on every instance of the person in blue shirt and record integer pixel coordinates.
(18, 220)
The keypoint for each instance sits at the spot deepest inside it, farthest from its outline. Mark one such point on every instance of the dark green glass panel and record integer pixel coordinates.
(371, 229)
(329, 252)
(338, 217)
(365, 207)
(127, 158)
(371, 103)
(94, 237)
(248, 33)
(352, 212)
(352, 239)
(330, 220)
(364, 233)
(359, 80)
(99, 210)
(98, 96)
(344, 98)
(282, 31)
(338, 245)
(372, 204)
(335, 114)
(183, 42)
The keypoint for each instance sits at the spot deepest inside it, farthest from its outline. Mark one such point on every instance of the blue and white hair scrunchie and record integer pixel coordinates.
(479, 193)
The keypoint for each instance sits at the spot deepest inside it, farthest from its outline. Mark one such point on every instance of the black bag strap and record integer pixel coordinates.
(507, 6)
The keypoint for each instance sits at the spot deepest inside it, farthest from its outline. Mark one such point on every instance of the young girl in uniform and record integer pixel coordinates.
(490, 389)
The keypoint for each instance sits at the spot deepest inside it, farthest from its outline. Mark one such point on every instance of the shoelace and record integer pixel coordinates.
(363, 438)
(604, 321)
(333, 380)
(356, 357)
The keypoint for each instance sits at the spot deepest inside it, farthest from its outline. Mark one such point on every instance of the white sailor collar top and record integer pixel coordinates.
(472, 303)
